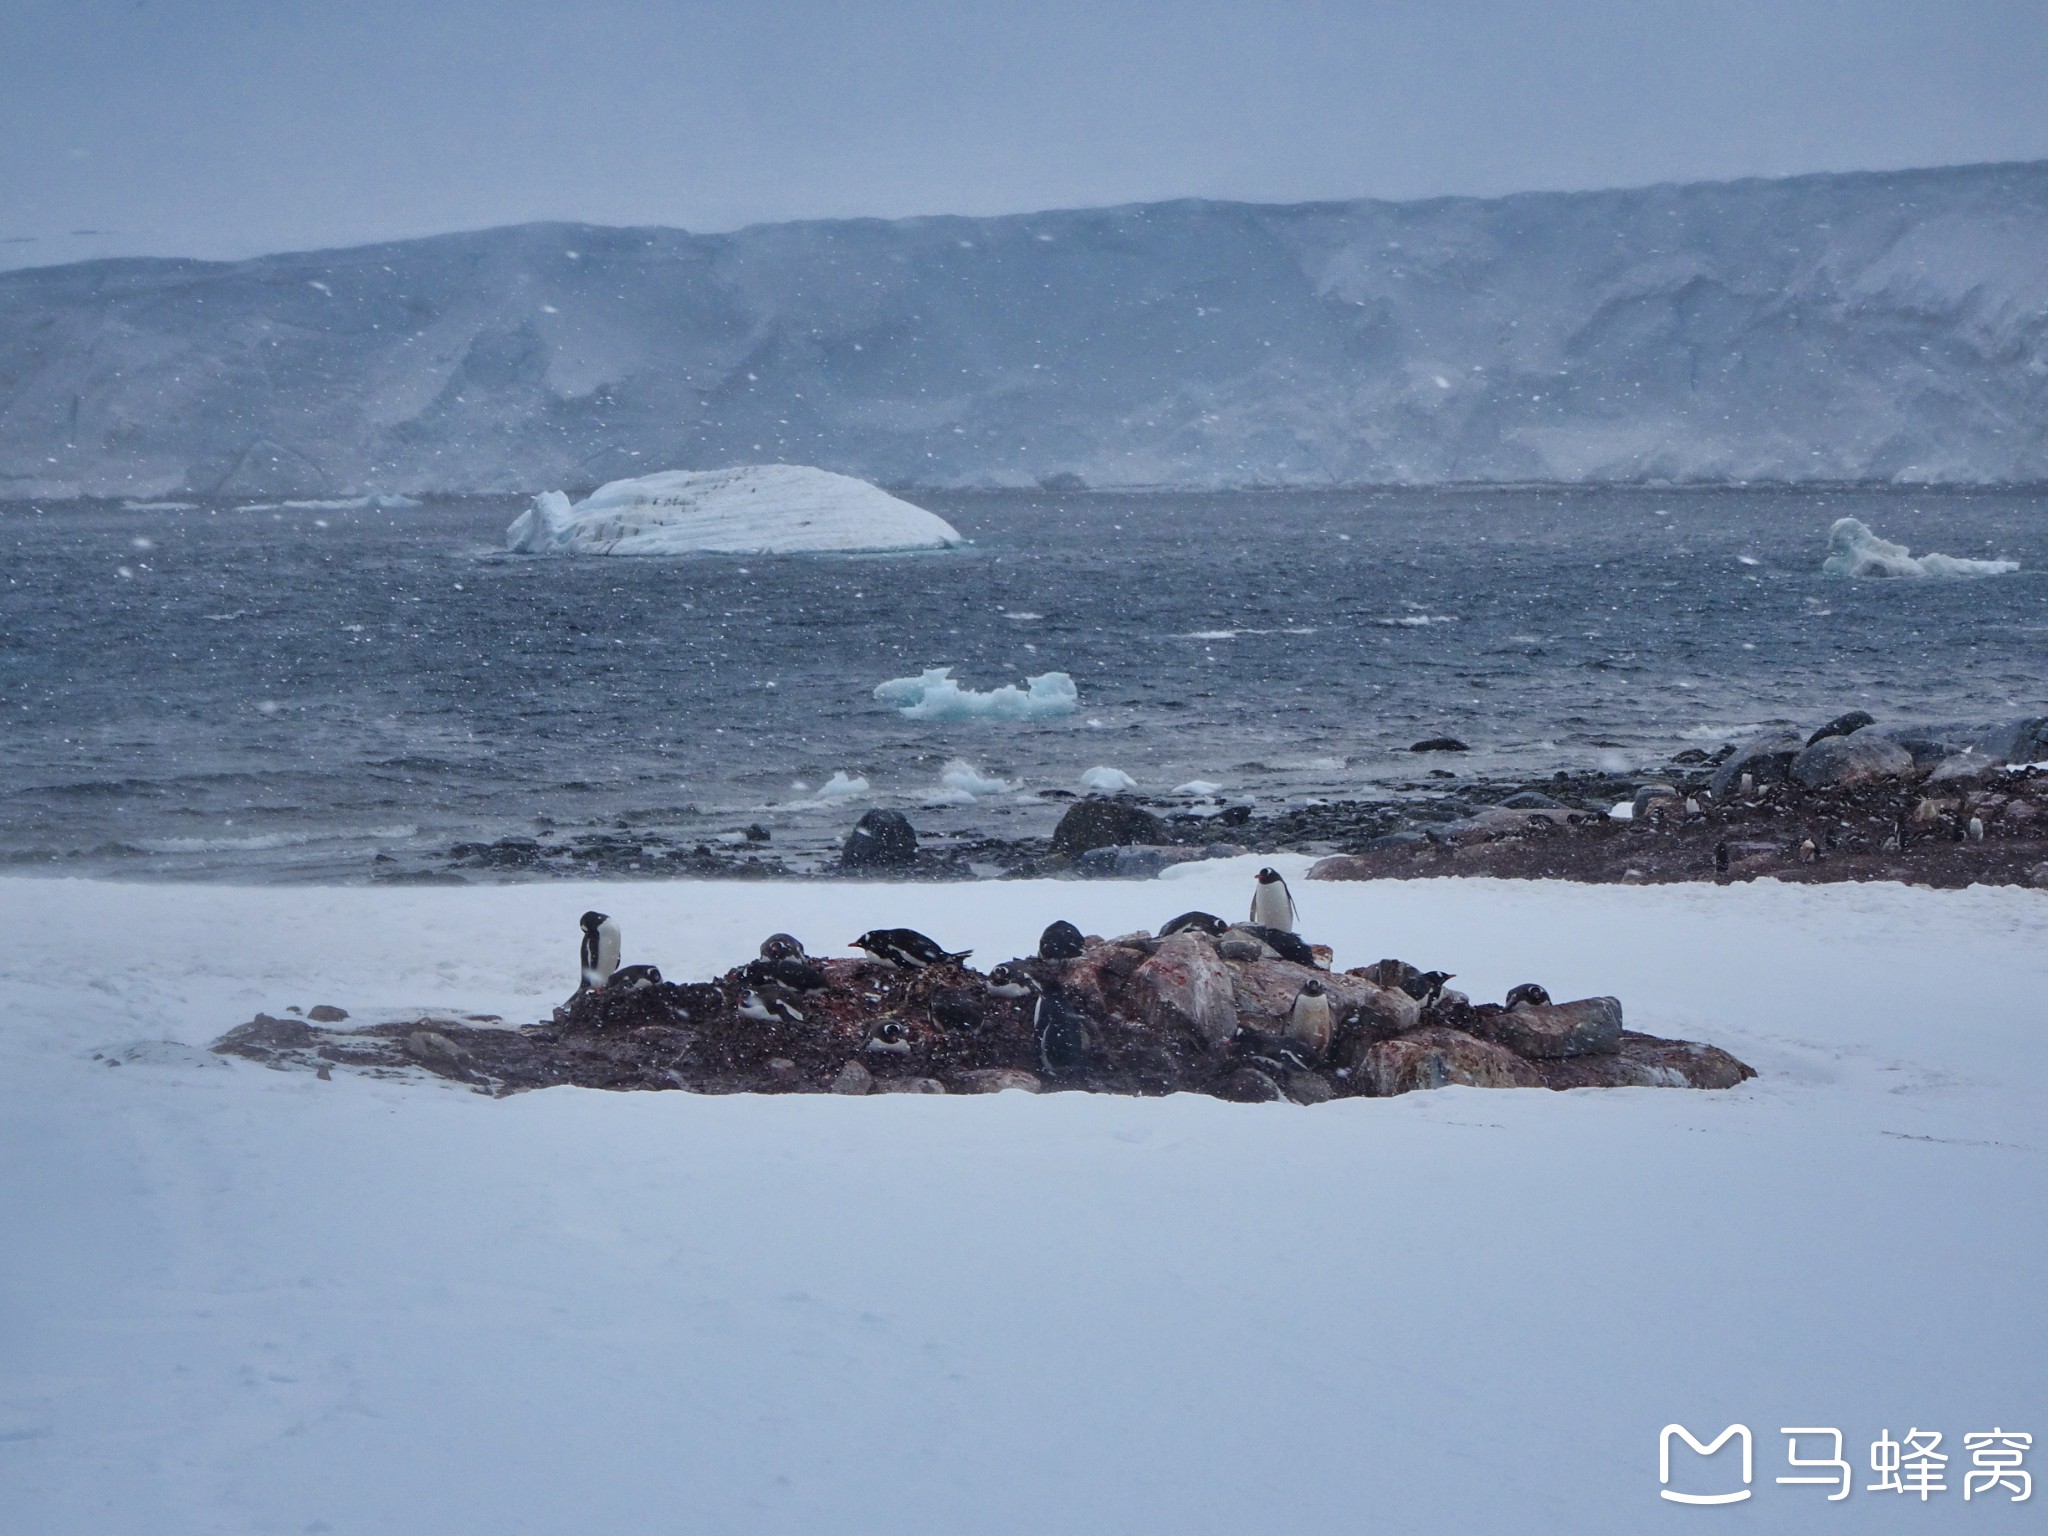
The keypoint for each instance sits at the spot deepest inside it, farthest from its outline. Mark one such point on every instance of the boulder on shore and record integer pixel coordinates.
(1766, 757)
(1838, 761)
(1105, 823)
(879, 840)
(1436, 1057)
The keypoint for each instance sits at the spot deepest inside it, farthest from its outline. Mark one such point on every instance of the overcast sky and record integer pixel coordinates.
(231, 127)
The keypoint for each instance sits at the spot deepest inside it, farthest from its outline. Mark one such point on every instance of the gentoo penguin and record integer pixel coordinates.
(955, 1008)
(781, 946)
(1976, 829)
(1272, 904)
(1007, 981)
(1061, 1031)
(631, 978)
(1278, 1054)
(1809, 850)
(768, 1006)
(1309, 1021)
(600, 949)
(889, 1037)
(1720, 858)
(787, 971)
(1527, 992)
(1198, 922)
(906, 947)
(1060, 941)
(1427, 986)
(1285, 943)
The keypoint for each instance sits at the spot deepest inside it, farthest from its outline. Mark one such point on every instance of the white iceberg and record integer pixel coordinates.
(1853, 550)
(1107, 781)
(934, 695)
(758, 509)
(841, 787)
(1201, 787)
(964, 778)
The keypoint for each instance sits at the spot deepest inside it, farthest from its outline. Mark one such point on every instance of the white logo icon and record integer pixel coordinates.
(1664, 1463)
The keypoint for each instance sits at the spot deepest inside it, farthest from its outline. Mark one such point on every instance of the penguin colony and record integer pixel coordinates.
(776, 985)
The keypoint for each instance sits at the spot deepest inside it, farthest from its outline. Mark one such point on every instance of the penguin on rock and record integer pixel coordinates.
(1272, 902)
(1309, 1021)
(1060, 1029)
(907, 949)
(600, 949)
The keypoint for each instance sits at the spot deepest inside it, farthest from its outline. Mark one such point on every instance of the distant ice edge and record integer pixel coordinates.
(756, 509)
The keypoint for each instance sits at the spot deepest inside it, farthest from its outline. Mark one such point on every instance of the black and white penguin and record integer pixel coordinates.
(1197, 922)
(1285, 943)
(907, 948)
(1060, 941)
(890, 1037)
(1975, 831)
(1061, 1031)
(782, 946)
(786, 971)
(1277, 1054)
(1720, 858)
(631, 978)
(600, 952)
(1809, 850)
(955, 1008)
(1427, 986)
(1272, 902)
(1309, 1021)
(1006, 980)
(767, 1005)
(1528, 992)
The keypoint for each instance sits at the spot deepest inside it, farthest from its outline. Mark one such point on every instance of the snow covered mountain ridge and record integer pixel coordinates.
(1883, 326)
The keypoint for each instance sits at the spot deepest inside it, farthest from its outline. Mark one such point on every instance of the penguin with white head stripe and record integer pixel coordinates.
(600, 950)
(1272, 902)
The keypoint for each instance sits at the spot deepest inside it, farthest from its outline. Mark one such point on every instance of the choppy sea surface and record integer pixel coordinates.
(335, 694)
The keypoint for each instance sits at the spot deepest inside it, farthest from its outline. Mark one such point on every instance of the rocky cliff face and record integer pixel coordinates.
(1886, 326)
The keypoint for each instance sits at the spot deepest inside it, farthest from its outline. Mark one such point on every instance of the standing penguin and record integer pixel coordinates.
(1272, 903)
(600, 955)
(1308, 1022)
(1061, 1031)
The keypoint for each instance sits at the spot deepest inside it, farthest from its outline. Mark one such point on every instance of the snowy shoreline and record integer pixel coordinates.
(249, 1299)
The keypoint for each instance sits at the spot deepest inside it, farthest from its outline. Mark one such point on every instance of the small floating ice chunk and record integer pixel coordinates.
(934, 695)
(964, 778)
(1853, 550)
(757, 509)
(1107, 781)
(1622, 811)
(1197, 787)
(840, 787)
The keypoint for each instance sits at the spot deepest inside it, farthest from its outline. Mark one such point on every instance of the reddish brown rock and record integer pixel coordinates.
(1549, 1031)
(1644, 1061)
(1186, 985)
(1264, 991)
(1435, 1057)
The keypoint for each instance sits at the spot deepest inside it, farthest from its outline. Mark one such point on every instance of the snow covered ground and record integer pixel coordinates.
(238, 1300)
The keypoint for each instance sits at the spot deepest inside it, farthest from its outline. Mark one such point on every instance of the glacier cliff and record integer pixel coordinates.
(1885, 326)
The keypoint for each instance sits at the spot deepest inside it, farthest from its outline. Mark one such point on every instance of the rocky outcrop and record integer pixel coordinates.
(1543, 1031)
(1436, 1057)
(1187, 985)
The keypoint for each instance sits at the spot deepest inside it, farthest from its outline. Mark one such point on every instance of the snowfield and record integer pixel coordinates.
(757, 509)
(240, 1300)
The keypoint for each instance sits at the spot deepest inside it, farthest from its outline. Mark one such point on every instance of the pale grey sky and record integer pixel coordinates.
(231, 127)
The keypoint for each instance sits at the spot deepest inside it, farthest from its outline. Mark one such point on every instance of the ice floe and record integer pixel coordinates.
(1853, 550)
(934, 695)
(962, 776)
(1107, 781)
(757, 509)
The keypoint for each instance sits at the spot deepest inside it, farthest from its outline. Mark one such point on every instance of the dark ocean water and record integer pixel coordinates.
(290, 693)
